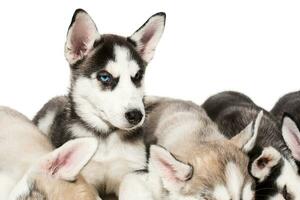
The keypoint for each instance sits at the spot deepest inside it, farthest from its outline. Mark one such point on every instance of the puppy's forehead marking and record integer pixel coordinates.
(234, 187)
(220, 192)
(234, 179)
(110, 49)
(123, 62)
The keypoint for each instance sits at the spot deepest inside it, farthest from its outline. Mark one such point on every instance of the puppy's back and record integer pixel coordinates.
(289, 104)
(232, 111)
(176, 123)
(20, 141)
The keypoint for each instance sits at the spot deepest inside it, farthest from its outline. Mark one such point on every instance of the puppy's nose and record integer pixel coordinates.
(134, 116)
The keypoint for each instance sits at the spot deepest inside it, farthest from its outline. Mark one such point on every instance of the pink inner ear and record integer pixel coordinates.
(80, 37)
(148, 34)
(63, 160)
(169, 170)
(294, 144)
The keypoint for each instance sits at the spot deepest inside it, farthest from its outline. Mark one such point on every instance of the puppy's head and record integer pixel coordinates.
(214, 170)
(108, 71)
(56, 176)
(278, 176)
(275, 174)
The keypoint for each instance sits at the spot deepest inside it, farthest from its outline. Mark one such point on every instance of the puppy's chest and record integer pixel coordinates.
(112, 148)
(113, 159)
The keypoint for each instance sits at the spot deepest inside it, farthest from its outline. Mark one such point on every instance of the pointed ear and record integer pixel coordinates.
(291, 136)
(67, 161)
(81, 36)
(171, 170)
(262, 166)
(246, 139)
(147, 37)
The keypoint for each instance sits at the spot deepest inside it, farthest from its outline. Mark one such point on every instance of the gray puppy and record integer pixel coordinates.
(272, 163)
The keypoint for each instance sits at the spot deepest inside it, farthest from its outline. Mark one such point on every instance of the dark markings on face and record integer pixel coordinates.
(138, 77)
(105, 52)
(268, 187)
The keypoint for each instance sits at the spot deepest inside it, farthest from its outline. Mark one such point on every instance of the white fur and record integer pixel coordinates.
(248, 193)
(221, 192)
(95, 106)
(235, 180)
(45, 123)
(6, 185)
(143, 190)
(21, 188)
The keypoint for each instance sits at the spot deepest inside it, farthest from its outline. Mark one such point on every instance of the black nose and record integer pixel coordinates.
(134, 116)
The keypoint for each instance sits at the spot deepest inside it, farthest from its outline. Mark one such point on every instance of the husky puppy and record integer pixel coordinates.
(272, 163)
(192, 159)
(31, 170)
(105, 98)
(287, 110)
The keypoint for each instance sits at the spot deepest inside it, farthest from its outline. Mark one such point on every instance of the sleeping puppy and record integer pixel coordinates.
(192, 159)
(272, 162)
(30, 169)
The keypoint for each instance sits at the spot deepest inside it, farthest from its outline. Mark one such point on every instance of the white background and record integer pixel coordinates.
(208, 47)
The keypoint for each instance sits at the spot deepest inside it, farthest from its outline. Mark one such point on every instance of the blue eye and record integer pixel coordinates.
(104, 77)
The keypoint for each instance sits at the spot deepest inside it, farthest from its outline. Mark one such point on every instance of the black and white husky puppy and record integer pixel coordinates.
(192, 160)
(105, 98)
(272, 163)
(287, 110)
